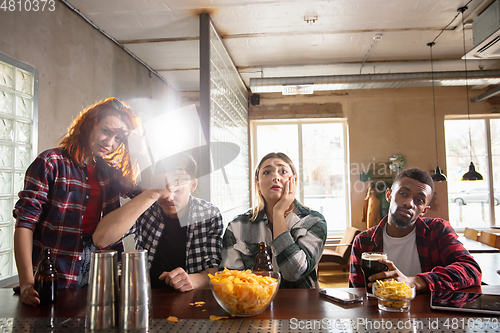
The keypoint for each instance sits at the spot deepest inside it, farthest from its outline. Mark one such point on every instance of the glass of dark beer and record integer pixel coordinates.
(370, 266)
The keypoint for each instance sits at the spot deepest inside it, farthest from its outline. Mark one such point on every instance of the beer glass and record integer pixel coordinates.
(370, 266)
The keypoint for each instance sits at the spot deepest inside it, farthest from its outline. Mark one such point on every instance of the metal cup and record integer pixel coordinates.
(135, 293)
(102, 295)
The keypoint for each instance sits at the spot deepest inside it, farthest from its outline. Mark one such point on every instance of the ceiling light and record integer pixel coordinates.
(472, 174)
(438, 175)
(298, 90)
(311, 19)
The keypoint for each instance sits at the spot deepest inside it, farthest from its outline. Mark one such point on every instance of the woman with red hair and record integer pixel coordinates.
(66, 192)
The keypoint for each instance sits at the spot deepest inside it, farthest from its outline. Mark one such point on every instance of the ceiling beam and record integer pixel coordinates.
(158, 40)
(277, 34)
(486, 95)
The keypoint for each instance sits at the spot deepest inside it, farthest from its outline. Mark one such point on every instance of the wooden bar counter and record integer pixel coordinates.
(296, 303)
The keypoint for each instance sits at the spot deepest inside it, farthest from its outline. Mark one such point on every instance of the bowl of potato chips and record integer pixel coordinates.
(393, 296)
(243, 293)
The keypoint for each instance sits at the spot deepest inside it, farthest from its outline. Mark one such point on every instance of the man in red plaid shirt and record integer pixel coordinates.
(422, 251)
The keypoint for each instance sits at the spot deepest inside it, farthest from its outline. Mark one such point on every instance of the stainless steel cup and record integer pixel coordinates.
(135, 292)
(102, 295)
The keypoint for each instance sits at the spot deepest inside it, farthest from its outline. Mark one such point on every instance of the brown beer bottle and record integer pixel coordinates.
(46, 278)
(262, 261)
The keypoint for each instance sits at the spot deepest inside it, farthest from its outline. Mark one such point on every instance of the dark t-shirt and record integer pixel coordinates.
(170, 251)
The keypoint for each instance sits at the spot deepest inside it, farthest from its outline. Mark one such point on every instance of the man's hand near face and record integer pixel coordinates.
(396, 274)
(182, 281)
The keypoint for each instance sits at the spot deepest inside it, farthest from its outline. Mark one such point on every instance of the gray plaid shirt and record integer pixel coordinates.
(295, 252)
(204, 234)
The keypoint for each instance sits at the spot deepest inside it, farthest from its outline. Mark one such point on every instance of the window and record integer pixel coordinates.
(473, 204)
(18, 114)
(318, 150)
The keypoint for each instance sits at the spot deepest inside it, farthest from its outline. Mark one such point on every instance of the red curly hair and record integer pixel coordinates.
(76, 140)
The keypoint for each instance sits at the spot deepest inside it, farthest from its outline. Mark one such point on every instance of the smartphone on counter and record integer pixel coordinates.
(340, 296)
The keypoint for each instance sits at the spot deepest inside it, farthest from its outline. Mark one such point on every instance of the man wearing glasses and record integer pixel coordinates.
(182, 234)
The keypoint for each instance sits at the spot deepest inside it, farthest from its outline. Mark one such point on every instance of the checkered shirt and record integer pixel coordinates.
(204, 234)
(295, 253)
(53, 202)
(446, 264)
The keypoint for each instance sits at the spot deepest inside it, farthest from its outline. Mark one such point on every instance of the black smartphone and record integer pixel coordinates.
(340, 296)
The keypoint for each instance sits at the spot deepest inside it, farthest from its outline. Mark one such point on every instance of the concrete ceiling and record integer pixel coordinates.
(271, 38)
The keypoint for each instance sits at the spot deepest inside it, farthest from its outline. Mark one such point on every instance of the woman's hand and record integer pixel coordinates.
(29, 295)
(287, 196)
(23, 248)
(157, 194)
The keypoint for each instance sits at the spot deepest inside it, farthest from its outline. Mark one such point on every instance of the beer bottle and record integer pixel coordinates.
(262, 261)
(46, 278)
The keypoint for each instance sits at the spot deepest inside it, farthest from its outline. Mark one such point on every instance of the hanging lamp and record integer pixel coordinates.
(438, 175)
(472, 174)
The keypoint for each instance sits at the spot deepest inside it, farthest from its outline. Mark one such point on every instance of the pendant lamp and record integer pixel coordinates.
(438, 175)
(472, 174)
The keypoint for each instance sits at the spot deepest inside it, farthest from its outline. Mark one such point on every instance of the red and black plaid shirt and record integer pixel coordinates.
(446, 264)
(53, 202)
(452, 298)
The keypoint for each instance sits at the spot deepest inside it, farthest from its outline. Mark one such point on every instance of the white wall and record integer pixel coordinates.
(77, 66)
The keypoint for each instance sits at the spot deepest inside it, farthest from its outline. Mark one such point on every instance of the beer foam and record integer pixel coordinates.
(373, 256)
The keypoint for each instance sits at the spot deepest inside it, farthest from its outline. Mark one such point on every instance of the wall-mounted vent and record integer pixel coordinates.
(486, 33)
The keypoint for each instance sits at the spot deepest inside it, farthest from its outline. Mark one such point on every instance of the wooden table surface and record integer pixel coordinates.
(489, 263)
(289, 303)
(476, 247)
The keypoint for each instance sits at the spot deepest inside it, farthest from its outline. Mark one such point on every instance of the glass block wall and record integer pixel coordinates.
(228, 123)
(17, 148)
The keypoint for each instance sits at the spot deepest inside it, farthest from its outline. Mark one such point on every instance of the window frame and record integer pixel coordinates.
(299, 122)
(489, 159)
(13, 278)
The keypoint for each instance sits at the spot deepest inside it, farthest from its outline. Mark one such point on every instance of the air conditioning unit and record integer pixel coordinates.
(486, 34)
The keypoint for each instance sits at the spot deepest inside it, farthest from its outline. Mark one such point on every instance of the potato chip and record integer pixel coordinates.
(172, 319)
(197, 304)
(243, 291)
(393, 290)
(215, 318)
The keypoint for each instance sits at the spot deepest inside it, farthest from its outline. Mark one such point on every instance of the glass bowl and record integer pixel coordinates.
(395, 302)
(241, 299)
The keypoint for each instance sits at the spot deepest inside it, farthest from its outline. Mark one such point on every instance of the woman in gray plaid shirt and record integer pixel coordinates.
(296, 234)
